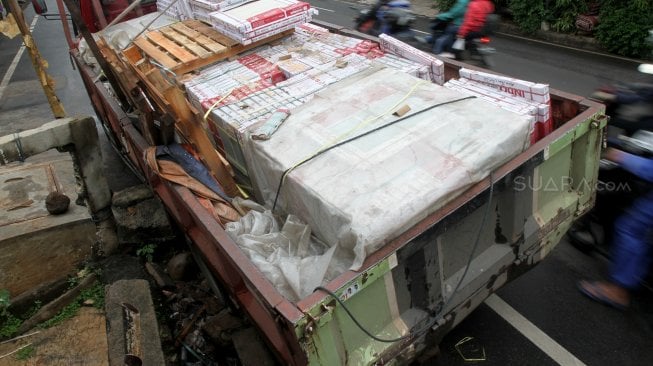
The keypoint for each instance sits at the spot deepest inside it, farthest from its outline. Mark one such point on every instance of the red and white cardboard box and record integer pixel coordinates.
(216, 5)
(397, 47)
(521, 88)
(258, 14)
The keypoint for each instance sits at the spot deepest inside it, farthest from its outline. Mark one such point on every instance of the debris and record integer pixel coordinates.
(470, 351)
(179, 267)
(220, 326)
(187, 328)
(20, 337)
(251, 349)
(16, 350)
(52, 308)
(402, 111)
(341, 64)
(140, 217)
(160, 277)
(271, 125)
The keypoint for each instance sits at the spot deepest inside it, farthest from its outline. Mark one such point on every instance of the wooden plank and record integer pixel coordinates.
(152, 51)
(198, 37)
(198, 137)
(123, 73)
(210, 32)
(201, 62)
(189, 44)
(171, 47)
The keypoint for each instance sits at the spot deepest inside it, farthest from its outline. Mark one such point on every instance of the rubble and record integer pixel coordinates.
(140, 217)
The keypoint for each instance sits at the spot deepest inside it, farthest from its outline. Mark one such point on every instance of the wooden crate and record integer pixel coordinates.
(186, 46)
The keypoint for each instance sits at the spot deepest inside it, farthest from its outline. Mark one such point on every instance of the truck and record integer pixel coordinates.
(407, 294)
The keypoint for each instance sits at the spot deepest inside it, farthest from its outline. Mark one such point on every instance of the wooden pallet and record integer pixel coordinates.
(186, 46)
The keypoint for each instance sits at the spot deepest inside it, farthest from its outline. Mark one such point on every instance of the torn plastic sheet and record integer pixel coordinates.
(289, 257)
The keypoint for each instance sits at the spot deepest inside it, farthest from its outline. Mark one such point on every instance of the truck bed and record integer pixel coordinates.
(419, 285)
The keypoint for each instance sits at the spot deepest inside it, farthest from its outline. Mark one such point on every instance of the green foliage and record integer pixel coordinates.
(25, 353)
(9, 325)
(624, 27)
(561, 14)
(8, 322)
(444, 5)
(528, 14)
(95, 294)
(147, 251)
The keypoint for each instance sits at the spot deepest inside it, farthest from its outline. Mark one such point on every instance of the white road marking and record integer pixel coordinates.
(14, 63)
(329, 10)
(568, 47)
(419, 31)
(532, 333)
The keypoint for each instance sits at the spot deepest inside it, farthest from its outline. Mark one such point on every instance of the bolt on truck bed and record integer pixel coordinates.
(409, 293)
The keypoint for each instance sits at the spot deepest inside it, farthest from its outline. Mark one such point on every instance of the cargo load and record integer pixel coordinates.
(359, 175)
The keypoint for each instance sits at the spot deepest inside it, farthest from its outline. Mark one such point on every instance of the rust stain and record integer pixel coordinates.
(558, 219)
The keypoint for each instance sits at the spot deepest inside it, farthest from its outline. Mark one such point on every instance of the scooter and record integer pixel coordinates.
(393, 17)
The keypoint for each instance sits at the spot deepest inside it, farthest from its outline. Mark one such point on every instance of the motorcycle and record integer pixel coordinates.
(393, 17)
(476, 48)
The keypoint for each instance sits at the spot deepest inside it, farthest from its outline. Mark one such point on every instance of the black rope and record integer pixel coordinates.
(287, 171)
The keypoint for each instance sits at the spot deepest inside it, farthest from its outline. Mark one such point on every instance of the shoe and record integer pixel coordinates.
(594, 291)
(446, 55)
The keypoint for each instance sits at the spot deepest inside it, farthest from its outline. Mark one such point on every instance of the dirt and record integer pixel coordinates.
(80, 340)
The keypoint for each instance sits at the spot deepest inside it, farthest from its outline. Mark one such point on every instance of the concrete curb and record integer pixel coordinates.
(568, 40)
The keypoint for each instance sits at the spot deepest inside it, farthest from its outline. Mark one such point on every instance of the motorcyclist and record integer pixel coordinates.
(631, 110)
(475, 18)
(634, 107)
(450, 21)
(390, 15)
(385, 16)
(472, 22)
(631, 246)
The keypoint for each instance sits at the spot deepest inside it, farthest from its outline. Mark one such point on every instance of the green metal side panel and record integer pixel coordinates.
(532, 210)
(335, 339)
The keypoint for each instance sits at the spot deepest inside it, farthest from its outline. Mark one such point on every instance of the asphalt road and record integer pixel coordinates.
(566, 69)
(538, 319)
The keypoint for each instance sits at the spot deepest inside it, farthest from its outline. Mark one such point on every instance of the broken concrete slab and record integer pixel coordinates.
(132, 328)
(140, 217)
(36, 247)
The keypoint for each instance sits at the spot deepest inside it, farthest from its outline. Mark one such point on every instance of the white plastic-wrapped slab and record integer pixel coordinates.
(365, 192)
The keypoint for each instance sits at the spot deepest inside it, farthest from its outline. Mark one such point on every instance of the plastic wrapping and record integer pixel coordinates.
(364, 193)
(289, 258)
